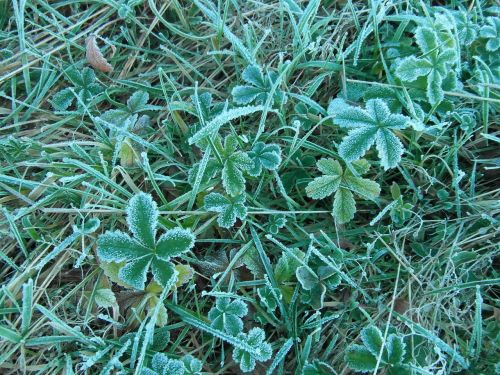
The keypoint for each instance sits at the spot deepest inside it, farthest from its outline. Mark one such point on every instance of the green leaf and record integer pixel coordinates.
(264, 156)
(118, 246)
(307, 279)
(372, 339)
(360, 359)
(228, 208)
(411, 68)
(226, 315)
(62, 99)
(135, 272)
(261, 352)
(344, 206)
(426, 39)
(164, 273)
(142, 218)
(324, 186)
(287, 264)
(395, 349)
(105, 298)
(362, 186)
(434, 91)
(174, 242)
(389, 149)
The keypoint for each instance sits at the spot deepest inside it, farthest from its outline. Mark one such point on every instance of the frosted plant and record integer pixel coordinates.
(126, 9)
(343, 183)
(467, 29)
(264, 156)
(363, 358)
(229, 208)
(137, 103)
(261, 352)
(226, 315)
(275, 223)
(317, 368)
(258, 87)
(85, 88)
(162, 365)
(316, 282)
(375, 124)
(192, 366)
(434, 65)
(266, 298)
(142, 251)
(491, 31)
(231, 163)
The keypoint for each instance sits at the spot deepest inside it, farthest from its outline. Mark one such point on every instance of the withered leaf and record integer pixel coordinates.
(95, 57)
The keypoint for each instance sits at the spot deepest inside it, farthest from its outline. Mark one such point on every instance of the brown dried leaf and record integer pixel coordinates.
(95, 57)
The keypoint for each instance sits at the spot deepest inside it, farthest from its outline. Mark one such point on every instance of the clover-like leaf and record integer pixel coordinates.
(192, 365)
(162, 365)
(316, 282)
(363, 358)
(229, 208)
(435, 64)
(84, 88)
(142, 252)
(275, 223)
(343, 184)
(317, 368)
(267, 298)
(235, 163)
(264, 156)
(258, 88)
(261, 352)
(491, 31)
(226, 315)
(368, 126)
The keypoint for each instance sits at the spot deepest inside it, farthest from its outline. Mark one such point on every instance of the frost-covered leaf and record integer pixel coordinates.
(360, 359)
(344, 206)
(275, 223)
(435, 63)
(317, 368)
(411, 68)
(162, 365)
(287, 264)
(142, 251)
(226, 315)
(192, 365)
(372, 339)
(264, 156)
(307, 278)
(491, 31)
(142, 218)
(266, 298)
(395, 348)
(369, 126)
(258, 87)
(84, 87)
(228, 208)
(341, 182)
(174, 242)
(184, 274)
(261, 352)
(324, 186)
(105, 298)
(62, 99)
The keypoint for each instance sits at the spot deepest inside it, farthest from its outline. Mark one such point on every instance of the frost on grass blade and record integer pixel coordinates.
(262, 350)
(229, 209)
(214, 125)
